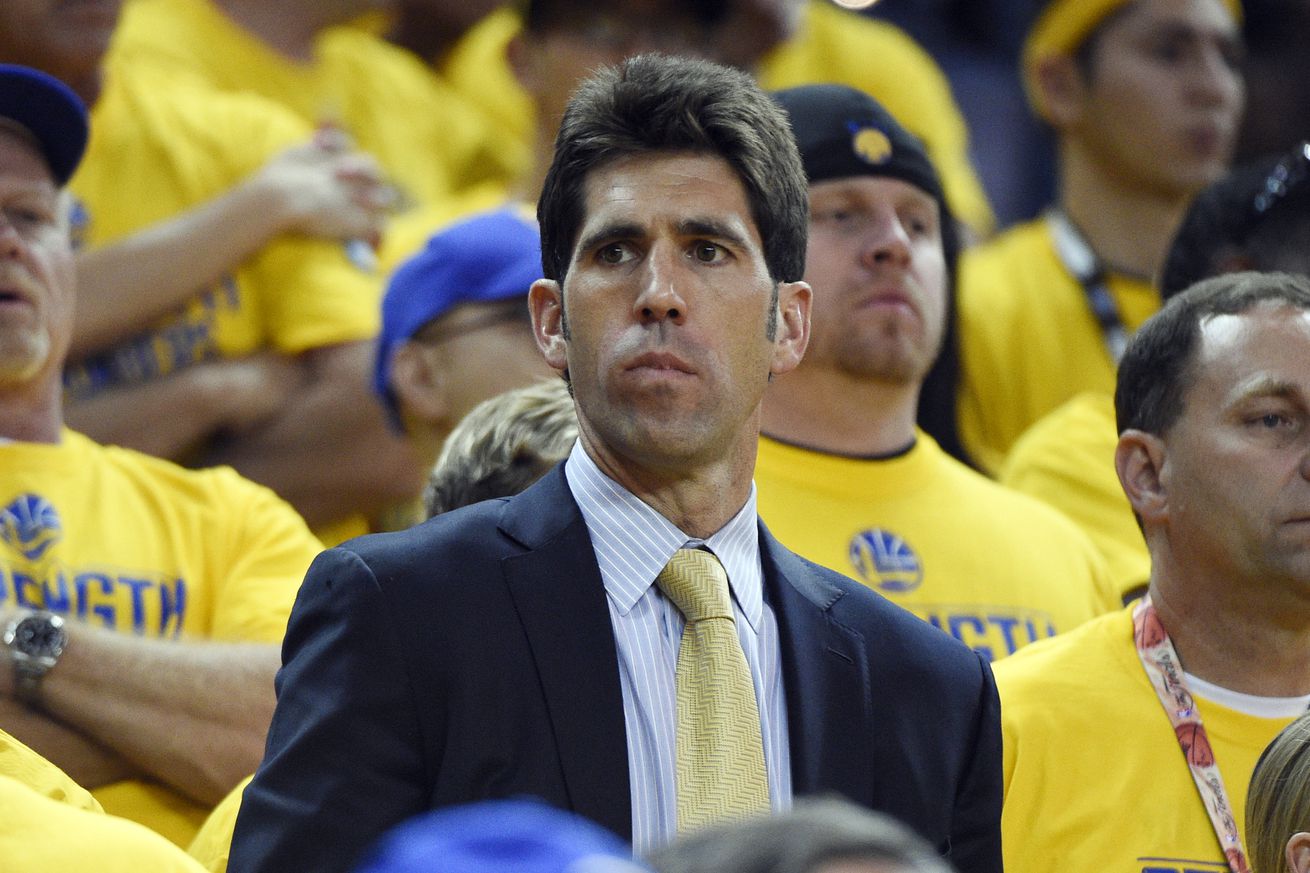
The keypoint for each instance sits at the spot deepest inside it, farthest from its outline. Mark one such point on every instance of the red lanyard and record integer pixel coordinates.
(1160, 661)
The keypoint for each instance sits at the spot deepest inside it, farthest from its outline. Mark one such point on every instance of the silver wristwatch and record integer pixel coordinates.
(34, 642)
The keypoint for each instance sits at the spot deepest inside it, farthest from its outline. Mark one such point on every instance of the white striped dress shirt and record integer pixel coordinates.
(633, 542)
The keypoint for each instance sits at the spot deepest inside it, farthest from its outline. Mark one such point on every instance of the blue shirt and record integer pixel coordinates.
(633, 542)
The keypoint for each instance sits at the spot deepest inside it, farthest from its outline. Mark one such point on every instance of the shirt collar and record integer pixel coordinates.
(633, 541)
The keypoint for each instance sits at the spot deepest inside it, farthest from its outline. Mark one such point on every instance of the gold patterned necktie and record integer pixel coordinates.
(720, 752)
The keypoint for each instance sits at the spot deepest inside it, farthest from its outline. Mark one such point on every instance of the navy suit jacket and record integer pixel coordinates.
(472, 657)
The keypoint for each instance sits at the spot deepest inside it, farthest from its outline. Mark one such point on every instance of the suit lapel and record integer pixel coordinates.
(826, 680)
(557, 589)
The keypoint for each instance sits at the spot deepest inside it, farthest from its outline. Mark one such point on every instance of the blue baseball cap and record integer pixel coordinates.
(49, 110)
(492, 256)
(505, 836)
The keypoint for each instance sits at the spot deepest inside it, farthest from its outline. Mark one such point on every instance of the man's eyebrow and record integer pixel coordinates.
(1269, 386)
(714, 229)
(609, 233)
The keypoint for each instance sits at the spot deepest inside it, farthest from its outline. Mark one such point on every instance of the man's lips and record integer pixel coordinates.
(890, 299)
(659, 361)
(11, 293)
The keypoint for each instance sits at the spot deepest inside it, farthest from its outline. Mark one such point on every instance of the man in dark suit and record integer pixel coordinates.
(528, 645)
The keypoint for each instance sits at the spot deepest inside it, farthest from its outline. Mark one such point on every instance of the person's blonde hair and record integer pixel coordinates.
(502, 446)
(1278, 802)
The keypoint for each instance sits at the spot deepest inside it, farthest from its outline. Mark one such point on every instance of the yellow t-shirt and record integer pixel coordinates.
(21, 764)
(833, 45)
(995, 569)
(1067, 460)
(40, 833)
(1028, 339)
(139, 545)
(159, 148)
(1094, 776)
(430, 141)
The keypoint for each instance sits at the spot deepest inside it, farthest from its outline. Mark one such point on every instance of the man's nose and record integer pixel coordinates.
(660, 297)
(11, 241)
(886, 242)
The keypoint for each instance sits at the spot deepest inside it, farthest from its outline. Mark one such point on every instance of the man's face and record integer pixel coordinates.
(36, 266)
(668, 304)
(1236, 468)
(1162, 105)
(58, 36)
(876, 265)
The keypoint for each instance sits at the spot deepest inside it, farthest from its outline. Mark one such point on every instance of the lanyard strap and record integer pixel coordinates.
(1160, 661)
(1079, 259)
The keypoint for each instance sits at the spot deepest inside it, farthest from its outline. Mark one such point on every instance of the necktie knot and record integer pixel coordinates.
(697, 584)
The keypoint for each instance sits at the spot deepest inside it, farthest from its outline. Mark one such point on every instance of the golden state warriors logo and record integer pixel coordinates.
(870, 144)
(885, 561)
(30, 526)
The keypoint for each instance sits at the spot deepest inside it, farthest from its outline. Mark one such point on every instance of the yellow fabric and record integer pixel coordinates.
(21, 764)
(833, 45)
(40, 833)
(213, 842)
(995, 569)
(429, 140)
(160, 147)
(720, 746)
(478, 68)
(1094, 777)
(1066, 459)
(139, 545)
(1061, 29)
(1028, 339)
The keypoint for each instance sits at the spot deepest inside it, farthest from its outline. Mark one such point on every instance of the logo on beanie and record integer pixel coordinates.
(870, 144)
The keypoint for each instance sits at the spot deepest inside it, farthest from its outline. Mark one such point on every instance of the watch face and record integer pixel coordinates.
(38, 637)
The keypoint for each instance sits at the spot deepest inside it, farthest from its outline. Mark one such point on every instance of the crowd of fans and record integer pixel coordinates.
(272, 279)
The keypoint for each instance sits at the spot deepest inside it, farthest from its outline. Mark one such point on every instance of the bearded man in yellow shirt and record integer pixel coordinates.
(845, 476)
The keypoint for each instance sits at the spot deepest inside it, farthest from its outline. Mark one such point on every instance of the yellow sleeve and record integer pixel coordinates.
(1067, 461)
(38, 833)
(878, 58)
(213, 842)
(478, 68)
(20, 763)
(315, 295)
(267, 555)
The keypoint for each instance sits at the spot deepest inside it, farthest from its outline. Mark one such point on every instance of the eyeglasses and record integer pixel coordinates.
(441, 329)
(1286, 176)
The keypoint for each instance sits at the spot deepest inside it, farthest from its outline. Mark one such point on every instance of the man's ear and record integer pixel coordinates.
(1061, 90)
(1139, 460)
(420, 383)
(546, 302)
(1298, 853)
(793, 330)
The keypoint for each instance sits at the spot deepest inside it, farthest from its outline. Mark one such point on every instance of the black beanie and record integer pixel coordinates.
(844, 132)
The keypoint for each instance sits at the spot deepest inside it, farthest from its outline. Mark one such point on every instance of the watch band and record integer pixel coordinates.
(27, 683)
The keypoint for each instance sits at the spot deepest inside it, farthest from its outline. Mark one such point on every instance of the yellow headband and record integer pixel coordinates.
(1061, 29)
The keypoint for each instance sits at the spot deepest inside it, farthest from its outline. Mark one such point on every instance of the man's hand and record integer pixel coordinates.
(326, 189)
